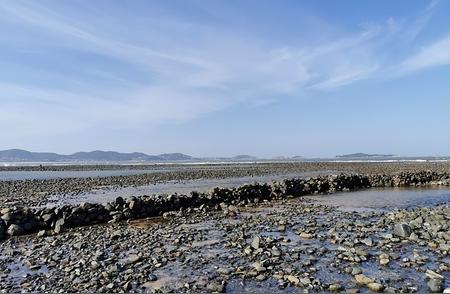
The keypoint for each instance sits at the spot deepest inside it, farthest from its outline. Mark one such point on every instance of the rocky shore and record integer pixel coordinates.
(256, 237)
(287, 245)
(16, 221)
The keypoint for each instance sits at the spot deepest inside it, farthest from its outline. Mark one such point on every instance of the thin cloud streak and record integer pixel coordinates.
(220, 71)
(115, 48)
(436, 54)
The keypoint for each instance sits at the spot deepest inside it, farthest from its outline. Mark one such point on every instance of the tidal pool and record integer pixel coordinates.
(385, 198)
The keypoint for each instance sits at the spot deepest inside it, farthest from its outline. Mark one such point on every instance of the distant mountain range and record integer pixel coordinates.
(364, 155)
(17, 155)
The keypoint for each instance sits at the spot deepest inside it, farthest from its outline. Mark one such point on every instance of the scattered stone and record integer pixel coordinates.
(255, 242)
(152, 277)
(384, 259)
(367, 241)
(258, 267)
(305, 235)
(433, 275)
(402, 230)
(335, 287)
(15, 230)
(223, 271)
(59, 225)
(435, 285)
(216, 287)
(361, 279)
(41, 234)
(356, 271)
(293, 279)
(376, 287)
(132, 258)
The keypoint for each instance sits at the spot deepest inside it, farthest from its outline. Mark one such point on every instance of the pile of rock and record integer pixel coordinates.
(418, 178)
(17, 221)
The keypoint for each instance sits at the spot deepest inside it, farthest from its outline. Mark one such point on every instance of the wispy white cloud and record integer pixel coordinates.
(435, 54)
(45, 19)
(213, 71)
(345, 79)
(420, 22)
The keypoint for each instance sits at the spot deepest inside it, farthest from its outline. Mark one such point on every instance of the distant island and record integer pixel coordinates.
(363, 155)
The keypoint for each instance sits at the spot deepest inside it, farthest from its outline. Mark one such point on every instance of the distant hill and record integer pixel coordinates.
(363, 155)
(110, 156)
(23, 155)
(17, 155)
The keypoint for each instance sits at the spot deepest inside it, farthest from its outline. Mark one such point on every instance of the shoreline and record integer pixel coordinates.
(322, 164)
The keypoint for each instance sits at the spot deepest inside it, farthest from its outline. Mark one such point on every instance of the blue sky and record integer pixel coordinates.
(220, 78)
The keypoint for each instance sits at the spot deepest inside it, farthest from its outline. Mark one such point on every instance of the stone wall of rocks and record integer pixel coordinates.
(18, 221)
(418, 178)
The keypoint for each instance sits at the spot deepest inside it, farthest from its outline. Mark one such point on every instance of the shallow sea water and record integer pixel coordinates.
(385, 199)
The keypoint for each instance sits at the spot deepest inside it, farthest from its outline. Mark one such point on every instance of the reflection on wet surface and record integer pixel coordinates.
(385, 198)
(18, 268)
(107, 194)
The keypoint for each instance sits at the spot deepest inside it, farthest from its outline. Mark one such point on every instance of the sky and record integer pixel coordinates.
(221, 78)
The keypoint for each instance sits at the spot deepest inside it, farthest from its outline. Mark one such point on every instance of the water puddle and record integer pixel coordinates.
(17, 270)
(147, 223)
(385, 199)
